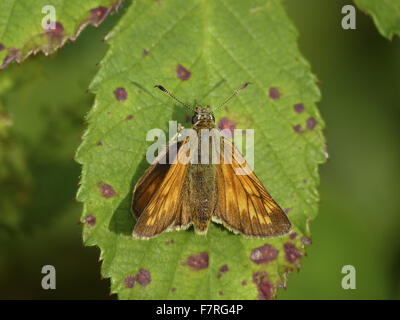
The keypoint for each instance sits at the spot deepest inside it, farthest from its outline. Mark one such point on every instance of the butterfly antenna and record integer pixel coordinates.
(233, 95)
(172, 96)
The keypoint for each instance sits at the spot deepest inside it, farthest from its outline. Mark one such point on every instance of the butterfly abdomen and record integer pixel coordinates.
(203, 195)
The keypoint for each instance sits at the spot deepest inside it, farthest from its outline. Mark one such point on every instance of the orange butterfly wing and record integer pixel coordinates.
(151, 180)
(159, 201)
(244, 205)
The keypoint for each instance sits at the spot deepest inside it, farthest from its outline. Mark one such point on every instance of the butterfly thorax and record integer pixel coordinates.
(202, 177)
(203, 118)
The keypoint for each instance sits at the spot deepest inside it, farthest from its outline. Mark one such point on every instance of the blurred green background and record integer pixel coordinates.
(360, 206)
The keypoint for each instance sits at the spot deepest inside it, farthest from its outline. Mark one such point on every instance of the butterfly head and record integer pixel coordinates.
(203, 114)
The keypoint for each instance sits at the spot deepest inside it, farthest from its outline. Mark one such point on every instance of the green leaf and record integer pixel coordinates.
(222, 44)
(22, 33)
(386, 15)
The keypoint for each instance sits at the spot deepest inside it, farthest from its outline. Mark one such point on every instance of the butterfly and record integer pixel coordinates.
(173, 195)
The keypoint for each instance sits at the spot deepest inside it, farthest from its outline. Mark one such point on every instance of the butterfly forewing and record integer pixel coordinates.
(162, 208)
(244, 205)
(150, 182)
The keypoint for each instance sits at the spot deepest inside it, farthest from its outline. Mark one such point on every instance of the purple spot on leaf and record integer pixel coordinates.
(143, 277)
(299, 107)
(90, 220)
(98, 14)
(198, 262)
(311, 123)
(264, 254)
(120, 94)
(274, 93)
(106, 190)
(291, 253)
(224, 268)
(13, 54)
(129, 282)
(305, 240)
(298, 128)
(265, 287)
(182, 73)
(226, 124)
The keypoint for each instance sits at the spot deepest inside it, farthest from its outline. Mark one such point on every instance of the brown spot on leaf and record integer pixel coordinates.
(143, 277)
(311, 123)
(2, 47)
(145, 52)
(188, 119)
(287, 210)
(220, 293)
(99, 143)
(293, 235)
(299, 107)
(130, 117)
(173, 289)
(219, 275)
(106, 190)
(182, 73)
(264, 254)
(120, 94)
(265, 287)
(129, 282)
(274, 93)
(298, 128)
(226, 124)
(291, 253)
(90, 220)
(198, 262)
(244, 283)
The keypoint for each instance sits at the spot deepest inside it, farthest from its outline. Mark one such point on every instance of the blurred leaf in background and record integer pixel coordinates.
(360, 208)
(386, 15)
